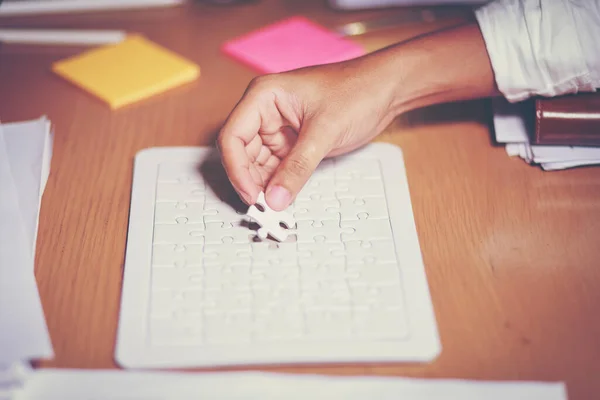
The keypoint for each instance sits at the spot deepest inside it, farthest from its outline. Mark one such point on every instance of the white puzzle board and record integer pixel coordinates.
(199, 291)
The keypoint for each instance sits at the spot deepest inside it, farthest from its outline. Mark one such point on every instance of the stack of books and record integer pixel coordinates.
(555, 133)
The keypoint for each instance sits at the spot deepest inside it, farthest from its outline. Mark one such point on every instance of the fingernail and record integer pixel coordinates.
(246, 198)
(278, 198)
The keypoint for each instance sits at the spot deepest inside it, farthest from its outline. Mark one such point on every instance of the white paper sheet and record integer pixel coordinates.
(509, 124)
(23, 334)
(92, 385)
(27, 145)
(555, 166)
(13, 378)
(511, 129)
(62, 36)
(33, 7)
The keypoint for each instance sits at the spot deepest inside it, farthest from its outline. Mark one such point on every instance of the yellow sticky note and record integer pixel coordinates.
(127, 72)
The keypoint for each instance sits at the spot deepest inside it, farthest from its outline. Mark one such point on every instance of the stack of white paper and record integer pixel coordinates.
(513, 129)
(76, 385)
(25, 153)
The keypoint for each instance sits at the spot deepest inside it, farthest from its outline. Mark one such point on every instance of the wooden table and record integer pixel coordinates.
(511, 252)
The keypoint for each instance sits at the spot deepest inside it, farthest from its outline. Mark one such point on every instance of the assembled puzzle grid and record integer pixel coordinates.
(201, 289)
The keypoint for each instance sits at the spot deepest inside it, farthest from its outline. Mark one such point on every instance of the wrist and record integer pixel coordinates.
(445, 66)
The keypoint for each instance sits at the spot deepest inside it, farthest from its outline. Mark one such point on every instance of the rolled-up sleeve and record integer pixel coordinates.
(542, 47)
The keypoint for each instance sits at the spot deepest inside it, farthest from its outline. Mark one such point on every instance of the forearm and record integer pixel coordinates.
(445, 66)
(516, 48)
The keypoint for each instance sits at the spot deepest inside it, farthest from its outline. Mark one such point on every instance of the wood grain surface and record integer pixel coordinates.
(511, 252)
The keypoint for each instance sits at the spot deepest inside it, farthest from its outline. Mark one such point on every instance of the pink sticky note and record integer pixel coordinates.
(289, 44)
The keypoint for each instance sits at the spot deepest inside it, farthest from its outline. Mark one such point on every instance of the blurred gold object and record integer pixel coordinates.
(408, 16)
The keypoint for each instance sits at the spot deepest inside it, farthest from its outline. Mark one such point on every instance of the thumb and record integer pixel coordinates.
(295, 169)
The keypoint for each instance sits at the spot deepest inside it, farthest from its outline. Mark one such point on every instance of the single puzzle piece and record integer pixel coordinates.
(215, 232)
(228, 253)
(350, 208)
(375, 252)
(180, 278)
(377, 275)
(233, 329)
(278, 325)
(324, 270)
(271, 299)
(386, 297)
(181, 213)
(273, 223)
(327, 324)
(311, 253)
(366, 230)
(282, 254)
(166, 302)
(359, 188)
(316, 210)
(317, 190)
(351, 168)
(177, 331)
(179, 172)
(328, 295)
(222, 213)
(380, 324)
(228, 301)
(326, 231)
(179, 234)
(180, 192)
(232, 277)
(177, 255)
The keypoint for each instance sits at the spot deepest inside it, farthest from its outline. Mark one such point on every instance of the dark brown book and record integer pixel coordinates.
(572, 120)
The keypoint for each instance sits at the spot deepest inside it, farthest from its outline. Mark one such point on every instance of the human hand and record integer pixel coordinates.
(285, 124)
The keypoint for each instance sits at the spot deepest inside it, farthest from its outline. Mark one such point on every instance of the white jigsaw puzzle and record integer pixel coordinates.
(346, 284)
(273, 223)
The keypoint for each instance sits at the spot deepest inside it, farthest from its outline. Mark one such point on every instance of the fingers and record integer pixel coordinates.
(295, 170)
(239, 130)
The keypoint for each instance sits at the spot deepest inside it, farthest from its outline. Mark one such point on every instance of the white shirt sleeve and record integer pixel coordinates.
(542, 47)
